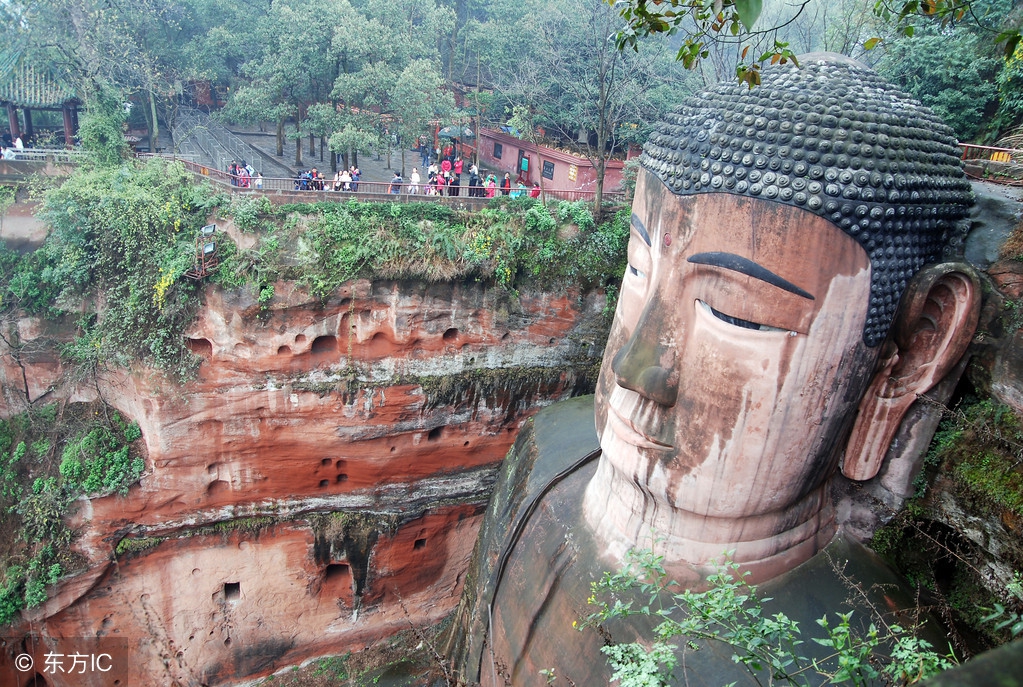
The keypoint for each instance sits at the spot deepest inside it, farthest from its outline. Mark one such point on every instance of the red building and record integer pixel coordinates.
(560, 170)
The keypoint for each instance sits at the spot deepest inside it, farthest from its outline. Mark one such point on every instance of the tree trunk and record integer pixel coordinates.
(312, 145)
(154, 133)
(539, 162)
(298, 144)
(280, 137)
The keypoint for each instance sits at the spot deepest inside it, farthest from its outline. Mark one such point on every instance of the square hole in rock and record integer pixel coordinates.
(336, 572)
(232, 591)
(420, 544)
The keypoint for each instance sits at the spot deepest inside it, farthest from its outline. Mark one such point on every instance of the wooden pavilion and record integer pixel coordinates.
(26, 87)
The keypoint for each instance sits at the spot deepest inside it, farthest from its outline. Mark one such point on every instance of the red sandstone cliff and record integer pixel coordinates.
(317, 488)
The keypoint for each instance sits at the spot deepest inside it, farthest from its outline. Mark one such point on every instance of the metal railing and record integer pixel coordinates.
(51, 154)
(214, 140)
(974, 152)
(369, 190)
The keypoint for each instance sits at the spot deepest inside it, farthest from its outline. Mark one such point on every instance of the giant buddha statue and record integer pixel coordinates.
(788, 296)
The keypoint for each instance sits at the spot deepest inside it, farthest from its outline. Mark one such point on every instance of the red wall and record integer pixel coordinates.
(586, 176)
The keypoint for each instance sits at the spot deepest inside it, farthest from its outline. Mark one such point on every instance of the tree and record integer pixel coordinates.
(951, 71)
(417, 97)
(572, 81)
(702, 23)
(292, 68)
(101, 130)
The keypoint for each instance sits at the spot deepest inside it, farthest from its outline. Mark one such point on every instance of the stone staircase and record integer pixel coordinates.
(199, 135)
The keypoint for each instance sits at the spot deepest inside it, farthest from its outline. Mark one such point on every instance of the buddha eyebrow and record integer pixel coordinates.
(638, 224)
(737, 263)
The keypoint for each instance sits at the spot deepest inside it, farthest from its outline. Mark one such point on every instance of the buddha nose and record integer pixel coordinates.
(645, 365)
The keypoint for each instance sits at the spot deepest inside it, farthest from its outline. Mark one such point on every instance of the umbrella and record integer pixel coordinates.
(462, 133)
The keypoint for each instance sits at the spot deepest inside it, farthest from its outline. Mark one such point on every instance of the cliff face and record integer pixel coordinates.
(319, 485)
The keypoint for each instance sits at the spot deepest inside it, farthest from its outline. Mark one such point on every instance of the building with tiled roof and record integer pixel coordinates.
(27, 87)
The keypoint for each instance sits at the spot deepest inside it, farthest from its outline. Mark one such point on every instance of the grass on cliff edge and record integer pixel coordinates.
(121, 239)
(50, 456)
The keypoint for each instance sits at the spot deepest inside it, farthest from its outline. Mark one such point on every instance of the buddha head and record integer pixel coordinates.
(784, 304)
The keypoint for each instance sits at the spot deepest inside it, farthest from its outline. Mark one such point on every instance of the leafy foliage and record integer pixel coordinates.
(769, 646)
(952, 72)
(101, 129)
(702, 22)
(49, 457)
(515, 242)
(121, 240)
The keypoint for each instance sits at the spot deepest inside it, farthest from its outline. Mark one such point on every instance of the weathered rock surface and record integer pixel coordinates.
(316, 489)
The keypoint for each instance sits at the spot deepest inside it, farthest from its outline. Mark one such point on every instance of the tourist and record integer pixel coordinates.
(395, 187)
(491, 186)
(506, 184)
(456, 187)
(414, 181)
(233, 171)
(259, 180)
(535, 191)
(424, 152)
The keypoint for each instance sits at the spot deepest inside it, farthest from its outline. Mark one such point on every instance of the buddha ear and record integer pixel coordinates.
(932, 329)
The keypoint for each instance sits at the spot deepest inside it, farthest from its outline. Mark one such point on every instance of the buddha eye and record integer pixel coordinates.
(636, 273)
(738, 321)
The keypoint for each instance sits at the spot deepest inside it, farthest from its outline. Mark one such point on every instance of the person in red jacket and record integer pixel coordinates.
(456, 181)
(506, 184)
(535, 191)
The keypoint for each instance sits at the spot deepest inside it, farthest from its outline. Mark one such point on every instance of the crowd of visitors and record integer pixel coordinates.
(243, 176)
(439, 176)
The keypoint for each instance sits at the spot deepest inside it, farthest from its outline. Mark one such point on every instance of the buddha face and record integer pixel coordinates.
(735, 362)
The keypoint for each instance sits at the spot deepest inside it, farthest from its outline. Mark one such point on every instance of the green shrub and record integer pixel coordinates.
(771, 647)
(56, 458)
(100, 462)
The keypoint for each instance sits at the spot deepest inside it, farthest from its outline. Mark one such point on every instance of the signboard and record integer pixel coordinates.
(548, 170)
(573, 172)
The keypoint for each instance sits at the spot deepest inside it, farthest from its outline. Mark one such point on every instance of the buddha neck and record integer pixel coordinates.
(623, 516)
